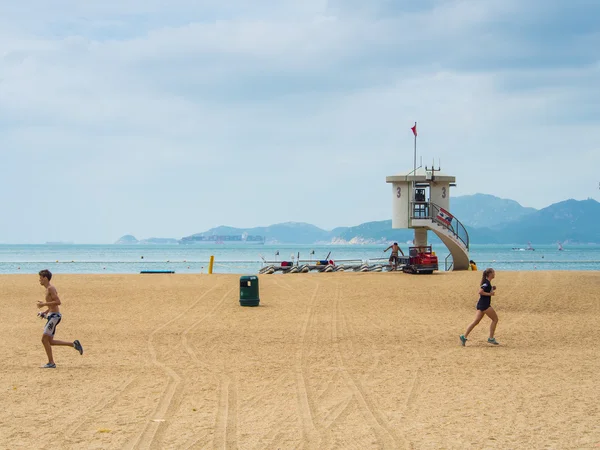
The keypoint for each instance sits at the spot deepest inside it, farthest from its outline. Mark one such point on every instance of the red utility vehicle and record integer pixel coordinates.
(421, 260)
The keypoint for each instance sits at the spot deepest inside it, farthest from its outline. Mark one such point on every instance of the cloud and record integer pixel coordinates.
(163, 121)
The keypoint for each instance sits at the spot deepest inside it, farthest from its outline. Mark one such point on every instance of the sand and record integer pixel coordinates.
(339, 360)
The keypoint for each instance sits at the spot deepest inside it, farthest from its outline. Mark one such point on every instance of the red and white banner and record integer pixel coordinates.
(445, 216)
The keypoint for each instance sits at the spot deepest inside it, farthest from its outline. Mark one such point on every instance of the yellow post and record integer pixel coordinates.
(210, 264)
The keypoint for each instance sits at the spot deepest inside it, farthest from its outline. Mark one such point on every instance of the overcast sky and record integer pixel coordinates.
(162, 119)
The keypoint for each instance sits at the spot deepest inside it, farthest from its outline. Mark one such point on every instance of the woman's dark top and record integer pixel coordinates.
(484, 301)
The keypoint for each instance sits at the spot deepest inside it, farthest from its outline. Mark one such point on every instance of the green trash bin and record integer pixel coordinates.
(249, 290)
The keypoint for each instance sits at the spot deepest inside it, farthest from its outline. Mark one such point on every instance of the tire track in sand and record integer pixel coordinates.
(309, 430)
(156, 425)
(283, 285)
(97, 410)
(416, 379)
(229, 430)
(184, 336)
(225, 435)
(279, 433)
(336, 412)
(384, 433)
(274, 438)
(281, 429)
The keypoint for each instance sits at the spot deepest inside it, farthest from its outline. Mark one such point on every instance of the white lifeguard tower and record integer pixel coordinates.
(421, 201)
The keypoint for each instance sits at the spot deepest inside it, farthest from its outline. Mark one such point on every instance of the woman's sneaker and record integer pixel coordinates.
(49, 366)
(493, 341)
(463, 339)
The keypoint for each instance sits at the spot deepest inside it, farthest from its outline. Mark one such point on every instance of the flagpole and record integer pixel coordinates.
(415, 159)
(414, 190)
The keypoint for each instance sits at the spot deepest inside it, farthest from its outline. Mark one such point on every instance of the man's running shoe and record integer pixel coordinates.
(78, 347)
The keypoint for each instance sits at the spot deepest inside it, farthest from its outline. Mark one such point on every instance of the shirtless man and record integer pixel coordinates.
(394, 256)
(52, 314)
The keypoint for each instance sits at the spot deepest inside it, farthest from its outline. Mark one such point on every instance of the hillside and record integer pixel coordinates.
(570, 220)
(128, 239)
(375, 232)
(285, 233)
(487, 211)
(488, 219)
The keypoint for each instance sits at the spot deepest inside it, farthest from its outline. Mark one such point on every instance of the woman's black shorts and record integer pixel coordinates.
(483, 304)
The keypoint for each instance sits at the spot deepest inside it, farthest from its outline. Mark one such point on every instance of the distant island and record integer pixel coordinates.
(488, 220)
(129, 239)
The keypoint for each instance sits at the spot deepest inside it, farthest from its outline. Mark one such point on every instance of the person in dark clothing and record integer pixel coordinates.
(484, 307)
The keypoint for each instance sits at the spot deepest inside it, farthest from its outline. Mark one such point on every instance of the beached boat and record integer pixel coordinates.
(297, 265)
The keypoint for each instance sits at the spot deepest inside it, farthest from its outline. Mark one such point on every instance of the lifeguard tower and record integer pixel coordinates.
(421, 201)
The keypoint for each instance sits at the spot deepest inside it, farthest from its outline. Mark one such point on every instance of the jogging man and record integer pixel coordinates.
(53, 316)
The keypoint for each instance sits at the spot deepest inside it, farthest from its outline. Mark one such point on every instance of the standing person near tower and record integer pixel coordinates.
(53, 316)
(394, 256)
(484, 307)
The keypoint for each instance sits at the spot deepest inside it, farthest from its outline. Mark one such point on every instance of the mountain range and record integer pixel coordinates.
(488, 220)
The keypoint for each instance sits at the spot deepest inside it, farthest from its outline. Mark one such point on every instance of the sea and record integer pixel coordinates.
(248, 259)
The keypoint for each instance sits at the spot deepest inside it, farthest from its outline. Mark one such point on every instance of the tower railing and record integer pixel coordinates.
(448, 265)
(429, 210)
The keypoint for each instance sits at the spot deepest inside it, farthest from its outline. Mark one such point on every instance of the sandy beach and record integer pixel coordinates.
(339, 360)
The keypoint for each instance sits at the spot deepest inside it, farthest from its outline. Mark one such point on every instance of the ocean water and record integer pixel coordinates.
(246, 259)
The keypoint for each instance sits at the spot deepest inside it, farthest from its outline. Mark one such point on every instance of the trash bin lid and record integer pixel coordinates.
(248, 278)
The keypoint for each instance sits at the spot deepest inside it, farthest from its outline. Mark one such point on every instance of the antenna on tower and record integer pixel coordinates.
(430, 171)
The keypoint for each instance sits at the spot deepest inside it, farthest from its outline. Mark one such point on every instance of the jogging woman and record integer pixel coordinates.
(484, 307)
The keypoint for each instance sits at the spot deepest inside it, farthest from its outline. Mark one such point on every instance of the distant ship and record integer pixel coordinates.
(216, 239)
(520, 249)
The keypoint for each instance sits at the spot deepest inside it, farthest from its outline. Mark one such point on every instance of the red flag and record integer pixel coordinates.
(414, 129)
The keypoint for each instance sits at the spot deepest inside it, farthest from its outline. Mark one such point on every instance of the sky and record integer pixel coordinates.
(164, 119)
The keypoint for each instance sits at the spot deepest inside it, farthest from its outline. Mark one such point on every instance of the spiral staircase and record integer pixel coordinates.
(449, 229)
